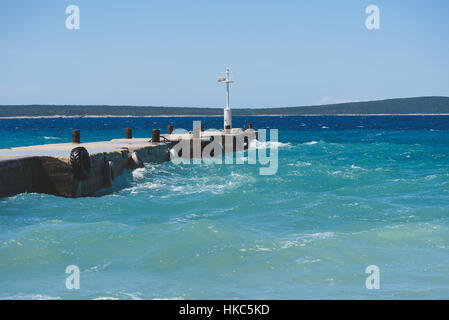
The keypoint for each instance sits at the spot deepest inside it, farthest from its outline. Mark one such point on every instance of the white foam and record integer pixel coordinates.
(322, 235)
(306, 260)
(255, 144)
(32, 297)
(303, 240)
(209, 184)
(12, 241)
(262, 249)
(98, 267)
(144, 186)
(288, 244)
(357, 167)
(133, 296)
(139, 173)
(300, 164)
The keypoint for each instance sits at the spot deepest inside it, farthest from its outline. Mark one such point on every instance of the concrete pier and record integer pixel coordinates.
(48, 169)
(60, 170)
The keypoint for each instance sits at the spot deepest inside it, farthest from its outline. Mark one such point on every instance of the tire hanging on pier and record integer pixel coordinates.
(108, 174)
(134, 161)
(80, 161)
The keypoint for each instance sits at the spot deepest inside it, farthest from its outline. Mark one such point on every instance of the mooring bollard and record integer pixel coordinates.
(250, 125)
(202, 126)
(170, 129)
(129, 133)
(156, 136)
(76, 136)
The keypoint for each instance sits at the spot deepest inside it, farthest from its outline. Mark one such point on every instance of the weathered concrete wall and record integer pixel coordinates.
(20, 175)
(36, 174)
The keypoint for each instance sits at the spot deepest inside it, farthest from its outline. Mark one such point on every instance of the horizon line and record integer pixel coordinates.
(190, 107)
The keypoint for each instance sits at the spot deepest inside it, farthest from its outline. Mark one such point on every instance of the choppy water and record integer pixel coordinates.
(350, 192)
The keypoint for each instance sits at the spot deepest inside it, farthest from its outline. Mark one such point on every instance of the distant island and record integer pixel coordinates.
(403, 106)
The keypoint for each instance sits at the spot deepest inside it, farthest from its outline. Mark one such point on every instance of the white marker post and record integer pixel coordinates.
(227, 111)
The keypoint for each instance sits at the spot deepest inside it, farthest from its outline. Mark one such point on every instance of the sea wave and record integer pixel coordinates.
(255, 144)
(311, 143)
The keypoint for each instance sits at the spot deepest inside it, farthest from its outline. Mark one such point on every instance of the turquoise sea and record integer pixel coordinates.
(349, 192)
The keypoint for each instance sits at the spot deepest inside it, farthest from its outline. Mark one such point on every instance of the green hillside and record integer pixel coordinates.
(432, 105)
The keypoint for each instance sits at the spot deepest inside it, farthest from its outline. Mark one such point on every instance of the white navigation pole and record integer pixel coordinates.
(227, 110)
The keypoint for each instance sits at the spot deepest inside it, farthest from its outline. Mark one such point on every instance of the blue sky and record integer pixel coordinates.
(169, 53)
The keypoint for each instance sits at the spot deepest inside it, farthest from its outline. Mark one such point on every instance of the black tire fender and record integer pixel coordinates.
(80, 161)
(108, 173)
(135, 161)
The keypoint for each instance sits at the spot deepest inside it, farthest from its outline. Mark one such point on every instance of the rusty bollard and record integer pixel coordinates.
(250, 125)
(202, 126)
(76, 136)
(156, 136)
(129, 133)
(170, 129)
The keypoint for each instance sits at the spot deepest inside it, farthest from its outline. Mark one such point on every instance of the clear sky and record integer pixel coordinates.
(169, 53)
